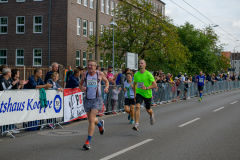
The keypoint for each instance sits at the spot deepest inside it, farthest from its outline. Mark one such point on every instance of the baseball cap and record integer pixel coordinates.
(110, 66)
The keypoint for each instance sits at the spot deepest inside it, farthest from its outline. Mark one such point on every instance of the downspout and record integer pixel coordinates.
(49, 33)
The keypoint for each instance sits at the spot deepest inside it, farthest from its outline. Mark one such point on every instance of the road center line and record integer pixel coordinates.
(189, 122)
(234, 102)
(127, 149)
(218, 109)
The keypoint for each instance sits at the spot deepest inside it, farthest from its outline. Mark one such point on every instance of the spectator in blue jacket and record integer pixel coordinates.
(35, 81)
(73, 81)
(49, 74)
(54, 82)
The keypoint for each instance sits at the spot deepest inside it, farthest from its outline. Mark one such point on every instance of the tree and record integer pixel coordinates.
(143, 30)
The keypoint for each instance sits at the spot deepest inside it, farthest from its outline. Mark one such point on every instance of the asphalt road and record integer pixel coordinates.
(185, 130)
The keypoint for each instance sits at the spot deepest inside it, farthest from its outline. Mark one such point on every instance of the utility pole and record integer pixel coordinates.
(97, 32)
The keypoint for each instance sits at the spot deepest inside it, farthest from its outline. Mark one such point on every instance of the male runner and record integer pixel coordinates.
(144, 82)
(91, 83)
(200, 82)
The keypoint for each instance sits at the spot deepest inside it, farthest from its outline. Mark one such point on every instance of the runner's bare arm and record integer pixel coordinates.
(154, 85)
(106, 82)
(135, 88)
(82, 82)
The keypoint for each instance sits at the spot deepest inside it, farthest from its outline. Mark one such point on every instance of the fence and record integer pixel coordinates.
(163, 94)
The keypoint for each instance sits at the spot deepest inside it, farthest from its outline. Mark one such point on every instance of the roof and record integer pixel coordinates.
(162, 2)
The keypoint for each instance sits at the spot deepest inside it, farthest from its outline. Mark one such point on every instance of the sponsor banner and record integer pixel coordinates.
(24, 105)
(73, 105)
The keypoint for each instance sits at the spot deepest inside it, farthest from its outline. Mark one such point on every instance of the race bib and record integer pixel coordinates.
(201, 80)
(140, 84)
(91, 83)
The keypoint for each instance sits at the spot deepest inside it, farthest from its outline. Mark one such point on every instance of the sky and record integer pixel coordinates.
(225, 13)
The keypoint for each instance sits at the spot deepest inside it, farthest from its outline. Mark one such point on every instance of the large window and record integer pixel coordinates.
(78, 57)
(20, 25)
(102, 29)
(91, 4)
(112, 8)
(79, 1)
(102, 6)
(84, 58)
(116, 9)
(101, 61)
(3, 25)
(86, 3)
(2, 1)
(37, 24)
(79, 21)
(107, 6)
(91, 29)
(85, 28)
(19, 57)
(37, 57)
(3, 57)
(90, 55)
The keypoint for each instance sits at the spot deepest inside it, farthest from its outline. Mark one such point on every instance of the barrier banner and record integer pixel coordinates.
(73, 105)
(24, 105)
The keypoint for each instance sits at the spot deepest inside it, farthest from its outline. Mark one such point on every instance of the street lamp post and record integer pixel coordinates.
(113, 24)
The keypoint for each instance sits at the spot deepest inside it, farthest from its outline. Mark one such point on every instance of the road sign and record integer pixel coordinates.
(132, 61)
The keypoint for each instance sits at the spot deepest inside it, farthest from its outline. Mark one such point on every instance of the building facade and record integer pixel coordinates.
(39, 32)
(235, 62)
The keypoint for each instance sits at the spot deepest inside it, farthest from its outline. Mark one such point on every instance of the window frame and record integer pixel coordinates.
(19, 25)
(112, 8)
(37, 24)
(37, 56)
(85, 28)
(79, 22)
(91, 5)
(20, 0)
(107, 7)
(3, 25)
(22, 57)
(85, 59)
(91, 24)
(102, 6)
(85, 3)
(3, 57)
(79, 1)
(78, 58)
(3, 1)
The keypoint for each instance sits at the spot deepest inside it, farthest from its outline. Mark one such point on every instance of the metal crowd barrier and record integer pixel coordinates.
(164, 93)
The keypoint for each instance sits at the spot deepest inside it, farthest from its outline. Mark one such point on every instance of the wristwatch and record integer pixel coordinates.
(146, 88)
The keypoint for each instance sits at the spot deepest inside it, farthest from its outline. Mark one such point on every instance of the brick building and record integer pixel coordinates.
(39, 32)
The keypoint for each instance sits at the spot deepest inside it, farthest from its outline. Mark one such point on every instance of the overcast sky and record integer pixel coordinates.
(225, 13)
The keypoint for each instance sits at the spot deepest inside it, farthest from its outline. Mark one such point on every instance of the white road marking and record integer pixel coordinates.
(234, 102)
(127, 149)
(218, 109)
(189, 122)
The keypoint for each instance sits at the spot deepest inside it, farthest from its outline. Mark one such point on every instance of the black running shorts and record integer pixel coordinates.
(129, 101)
(140, 99)
(200, 88)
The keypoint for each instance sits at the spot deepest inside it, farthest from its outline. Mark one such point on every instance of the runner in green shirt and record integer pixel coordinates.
(144, 82)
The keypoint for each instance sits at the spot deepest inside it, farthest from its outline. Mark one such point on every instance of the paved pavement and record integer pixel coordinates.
(185, 130)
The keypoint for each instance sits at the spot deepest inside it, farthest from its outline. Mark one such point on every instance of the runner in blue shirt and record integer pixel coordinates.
(200, 82)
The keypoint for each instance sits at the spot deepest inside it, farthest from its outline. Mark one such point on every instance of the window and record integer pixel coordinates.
(37, 24)
(112, 8)
(3, 57)
(79, 26)
(102, 28)
(37, 0)
(101, 61)
(20, 24)
(90, 55)
(107, 7)
(85, 3)
(91, 4)
(102, 6)
(3, 1)
(78, 57)
(157, 7)
(84, 58)
(19, 57)
(79, 1)
(85, 28)
(37, 57)
(116, 9)
(91, 29)
(3, 25)
(20, 0)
